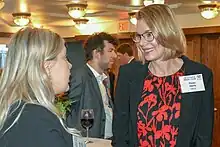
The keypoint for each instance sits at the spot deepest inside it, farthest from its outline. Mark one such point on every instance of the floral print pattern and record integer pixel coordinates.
(159, 111)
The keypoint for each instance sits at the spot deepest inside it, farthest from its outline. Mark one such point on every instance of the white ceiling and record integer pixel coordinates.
(54, 13)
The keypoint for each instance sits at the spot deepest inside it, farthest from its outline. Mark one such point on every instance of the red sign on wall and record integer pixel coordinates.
(123, 26)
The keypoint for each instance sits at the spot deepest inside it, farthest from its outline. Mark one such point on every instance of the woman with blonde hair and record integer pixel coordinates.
(36, 70)
(168, 100)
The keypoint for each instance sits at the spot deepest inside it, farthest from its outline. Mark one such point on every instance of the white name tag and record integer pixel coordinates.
(191, 83)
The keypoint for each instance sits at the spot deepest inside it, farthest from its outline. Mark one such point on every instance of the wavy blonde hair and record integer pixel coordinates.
(162, 22)
(24, 77)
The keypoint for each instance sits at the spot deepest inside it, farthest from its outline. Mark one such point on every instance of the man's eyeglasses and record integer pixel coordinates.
(148, 36)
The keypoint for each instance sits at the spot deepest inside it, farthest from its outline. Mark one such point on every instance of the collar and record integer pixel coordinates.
(131, 59)
(98, 76)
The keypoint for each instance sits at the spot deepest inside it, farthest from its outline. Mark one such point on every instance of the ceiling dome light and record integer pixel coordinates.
(80, 24)
(77, 10)
(22, 18)
(208, 11)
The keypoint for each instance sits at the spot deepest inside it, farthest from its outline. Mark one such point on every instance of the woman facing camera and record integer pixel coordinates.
(36, 70)
(168, 100)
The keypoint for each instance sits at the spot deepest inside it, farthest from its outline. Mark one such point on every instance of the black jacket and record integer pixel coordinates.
(36, 127)
(197, 108)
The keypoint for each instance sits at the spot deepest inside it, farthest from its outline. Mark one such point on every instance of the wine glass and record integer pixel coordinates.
(87, 119)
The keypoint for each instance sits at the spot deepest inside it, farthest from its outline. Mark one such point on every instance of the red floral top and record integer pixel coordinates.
(159, 111)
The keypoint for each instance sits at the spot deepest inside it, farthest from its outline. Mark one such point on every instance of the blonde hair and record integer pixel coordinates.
(24, 77)
(162, 22)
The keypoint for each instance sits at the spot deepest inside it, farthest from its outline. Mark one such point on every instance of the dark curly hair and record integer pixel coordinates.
(96, 42)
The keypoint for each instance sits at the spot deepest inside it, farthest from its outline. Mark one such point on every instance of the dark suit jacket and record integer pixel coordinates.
(85, 93)
(196, 119)
(36, 127)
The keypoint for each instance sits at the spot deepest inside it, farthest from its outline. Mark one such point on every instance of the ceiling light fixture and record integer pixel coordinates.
(207, 1)
(80, 23)
(132, 16)
(77, 10)
(22, 18)
(208, 11)
(2, 4)
(150, 2)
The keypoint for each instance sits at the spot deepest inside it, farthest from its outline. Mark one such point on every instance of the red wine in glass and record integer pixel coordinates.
(87, 123)
(87, 120)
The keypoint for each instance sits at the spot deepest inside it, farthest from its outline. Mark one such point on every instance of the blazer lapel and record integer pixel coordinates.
(94, 85)
(136, 86)
(189, 109)
(96, 89)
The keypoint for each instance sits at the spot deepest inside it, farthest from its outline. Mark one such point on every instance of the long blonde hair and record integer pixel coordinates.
(24, 77)
(162, 22)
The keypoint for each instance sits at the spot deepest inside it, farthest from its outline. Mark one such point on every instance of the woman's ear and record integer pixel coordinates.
(47, 66)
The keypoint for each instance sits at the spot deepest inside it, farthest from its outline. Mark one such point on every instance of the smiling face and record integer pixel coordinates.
(152, 50)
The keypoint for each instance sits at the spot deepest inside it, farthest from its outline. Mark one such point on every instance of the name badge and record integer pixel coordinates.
(192, 83)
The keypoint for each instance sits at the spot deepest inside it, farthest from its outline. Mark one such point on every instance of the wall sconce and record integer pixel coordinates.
(132, 16)
(208, 11)
(22, 18)
(77, 10)
(80, 24)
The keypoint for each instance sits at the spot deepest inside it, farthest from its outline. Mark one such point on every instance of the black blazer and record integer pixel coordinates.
(36, 127)
(197, 109)
(85, 94)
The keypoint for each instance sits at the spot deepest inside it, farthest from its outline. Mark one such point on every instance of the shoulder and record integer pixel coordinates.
(79, 72)
(28, 112)
(79, 75)
(133, 66)
(31, 116)
(36, 109)
(38, 114)
(37, 118)
(132, 70)
(193, 67)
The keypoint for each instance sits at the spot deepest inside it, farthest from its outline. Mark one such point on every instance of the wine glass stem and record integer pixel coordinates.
(87, 133)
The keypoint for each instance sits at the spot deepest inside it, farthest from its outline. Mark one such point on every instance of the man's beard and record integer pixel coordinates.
(103, 65)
